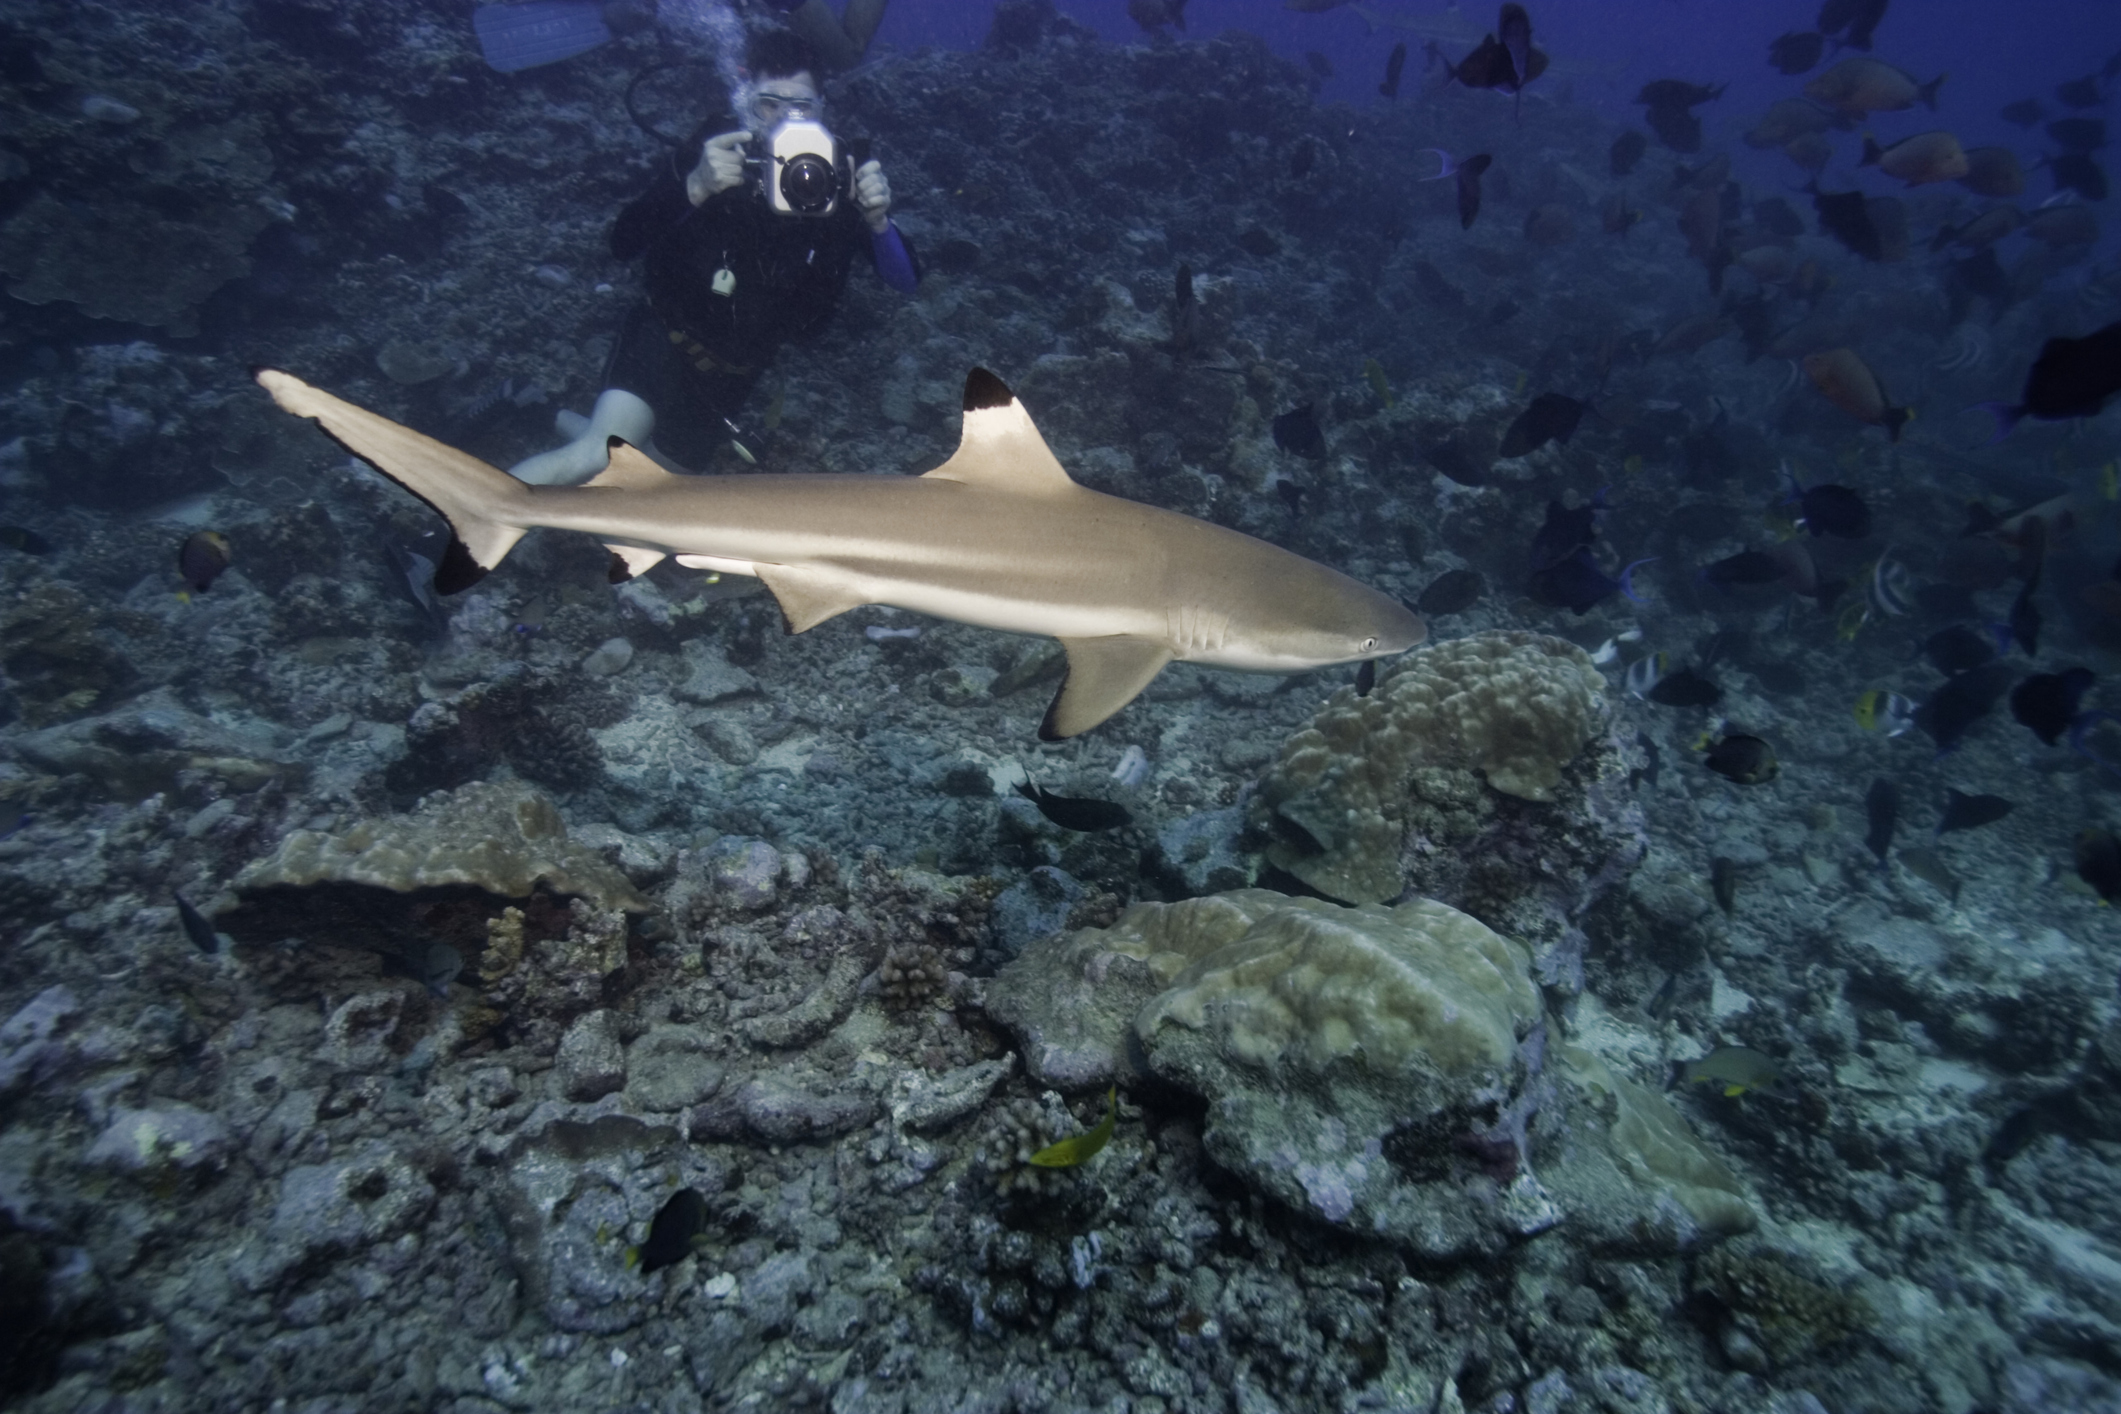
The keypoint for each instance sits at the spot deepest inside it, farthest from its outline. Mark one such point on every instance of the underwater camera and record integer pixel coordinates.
(803, 166)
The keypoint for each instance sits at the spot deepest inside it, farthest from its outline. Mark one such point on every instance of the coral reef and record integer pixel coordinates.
(1510, 710)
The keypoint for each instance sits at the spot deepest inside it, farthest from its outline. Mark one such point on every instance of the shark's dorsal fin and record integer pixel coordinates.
(808, 595)
(1000, 449)
(1104, 675)
(631, 469)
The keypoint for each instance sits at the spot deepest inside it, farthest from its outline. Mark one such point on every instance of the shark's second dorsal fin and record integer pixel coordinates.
(1000, 449)
(631, 469)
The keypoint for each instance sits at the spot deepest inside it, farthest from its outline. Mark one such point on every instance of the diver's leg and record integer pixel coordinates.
(860, 22)
(815, 22)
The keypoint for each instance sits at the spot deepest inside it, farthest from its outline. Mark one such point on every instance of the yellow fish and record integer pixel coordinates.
(1077, 1148)
(1375, 372)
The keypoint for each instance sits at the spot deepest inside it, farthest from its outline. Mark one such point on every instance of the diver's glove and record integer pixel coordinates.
(873, 195)
(618, 413)
(721, 166)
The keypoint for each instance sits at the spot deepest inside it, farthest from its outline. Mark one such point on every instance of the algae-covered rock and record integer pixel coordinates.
(1382, 1069)
(1511, 710)
(502, 837)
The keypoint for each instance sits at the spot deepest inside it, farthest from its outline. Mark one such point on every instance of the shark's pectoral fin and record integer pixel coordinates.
(809, 595)
(1104, 675)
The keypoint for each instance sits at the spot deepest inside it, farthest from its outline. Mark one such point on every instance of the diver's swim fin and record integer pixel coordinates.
(533, 32)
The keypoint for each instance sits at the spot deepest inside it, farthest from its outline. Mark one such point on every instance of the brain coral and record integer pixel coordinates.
(1515, 708)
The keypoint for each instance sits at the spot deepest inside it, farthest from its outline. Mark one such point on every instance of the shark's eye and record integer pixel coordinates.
(1368, 644)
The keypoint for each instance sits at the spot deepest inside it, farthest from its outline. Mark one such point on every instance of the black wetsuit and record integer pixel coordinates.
(691, 354)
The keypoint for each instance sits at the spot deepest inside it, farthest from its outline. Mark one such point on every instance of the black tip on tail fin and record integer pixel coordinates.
(458, 570)
(984, 390)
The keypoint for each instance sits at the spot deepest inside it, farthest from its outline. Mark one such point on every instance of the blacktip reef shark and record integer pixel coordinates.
(999, 536)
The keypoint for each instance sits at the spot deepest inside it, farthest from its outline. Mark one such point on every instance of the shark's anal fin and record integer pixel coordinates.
(628, 561)
(808, 595)
(1104, 675)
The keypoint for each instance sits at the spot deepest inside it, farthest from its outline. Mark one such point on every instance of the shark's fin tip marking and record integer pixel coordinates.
(984, 390)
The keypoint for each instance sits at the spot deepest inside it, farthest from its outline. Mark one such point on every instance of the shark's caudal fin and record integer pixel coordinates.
(484, 505)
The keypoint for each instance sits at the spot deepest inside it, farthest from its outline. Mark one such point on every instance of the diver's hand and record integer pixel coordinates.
(873, 195)
(721, 166)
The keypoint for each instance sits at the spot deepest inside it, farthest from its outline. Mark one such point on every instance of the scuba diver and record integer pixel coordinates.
(748, 236)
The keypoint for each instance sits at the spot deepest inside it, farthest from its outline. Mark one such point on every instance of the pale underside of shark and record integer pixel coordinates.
(998, 536)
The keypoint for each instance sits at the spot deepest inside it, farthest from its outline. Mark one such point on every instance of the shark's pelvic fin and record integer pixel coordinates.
(1000, 448)
(1104, 675)
(485, 506)
(808, 596)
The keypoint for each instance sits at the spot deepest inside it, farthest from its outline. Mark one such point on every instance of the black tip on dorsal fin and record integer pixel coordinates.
(617, 572)
(984, 390)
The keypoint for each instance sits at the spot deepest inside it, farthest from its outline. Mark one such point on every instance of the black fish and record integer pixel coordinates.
(1723, 882)
(2075, 171)
(1551, 418)
(1796, 52)
(1676, 128)
(1514, 29)
(2099, 862)
(1881, 808)
(1469, 188)
(1971, 812)
(1297, 433)
(1452, 592)
(1980, 274)
(1565, 531)
(21, 537)
(1627, 151)
(1185, 313)
(1685, 688)
(1075, 812)
(1957, 649)
(1835, 510)
(680, 1219)
(196, 927)
(1366, 677)
(2081, 93)
(202, 558)
(1676, 93)
(1576, 583)
(2025, 112)
(1778, 218)
(2024, 622)
(1743, 760)
(1393, 67)
(1864, 16)
(1255, 242)
(2078, 134)
(1291, 495)
(2047, 703)
(1319, 63)
(1846, 216)
(1747, 568)
(1951, 711)
(2070, 378)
